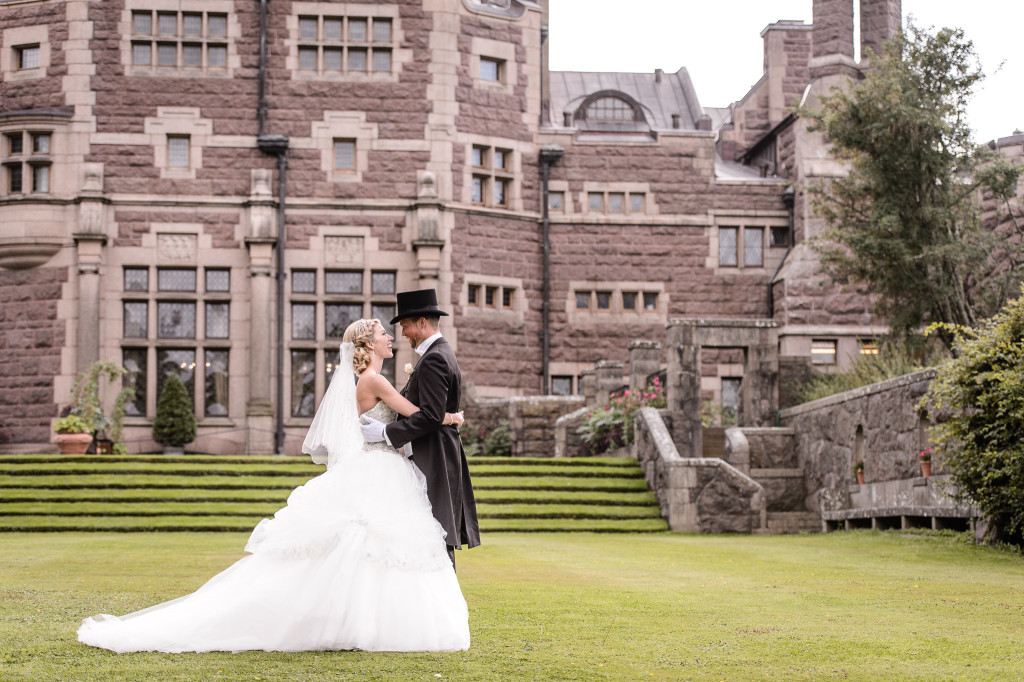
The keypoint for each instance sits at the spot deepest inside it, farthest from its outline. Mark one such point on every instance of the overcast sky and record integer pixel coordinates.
(720, 44)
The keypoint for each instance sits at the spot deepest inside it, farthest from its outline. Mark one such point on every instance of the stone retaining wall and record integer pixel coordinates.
(879, 424)
(530, 420)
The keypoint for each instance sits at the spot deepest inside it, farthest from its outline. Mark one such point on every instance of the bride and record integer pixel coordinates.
(354, 561)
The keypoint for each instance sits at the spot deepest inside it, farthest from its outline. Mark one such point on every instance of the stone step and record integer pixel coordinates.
(776, 473)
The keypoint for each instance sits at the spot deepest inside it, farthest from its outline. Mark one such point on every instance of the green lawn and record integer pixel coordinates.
(859, 605)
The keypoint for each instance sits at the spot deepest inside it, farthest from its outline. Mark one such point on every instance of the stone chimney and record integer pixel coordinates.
(832, 38)
(880, 20)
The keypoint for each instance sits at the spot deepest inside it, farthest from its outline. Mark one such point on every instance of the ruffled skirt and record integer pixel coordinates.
(355, 560)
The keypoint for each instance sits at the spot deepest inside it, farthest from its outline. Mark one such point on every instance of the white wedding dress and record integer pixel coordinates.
(354, 561)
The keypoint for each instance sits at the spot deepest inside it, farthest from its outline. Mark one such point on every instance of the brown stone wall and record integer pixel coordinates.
(486, 111)
(386, 228)
(31, 338)
(880, 20)
(833, 28)
(399, 110)
(498, 349)
(797, 47)
(37, 93)
(133, 223)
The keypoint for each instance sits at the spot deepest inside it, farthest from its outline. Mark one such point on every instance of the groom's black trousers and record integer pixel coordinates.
(451, 555)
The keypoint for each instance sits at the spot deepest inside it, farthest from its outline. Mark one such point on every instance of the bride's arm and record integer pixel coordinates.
(381, 389)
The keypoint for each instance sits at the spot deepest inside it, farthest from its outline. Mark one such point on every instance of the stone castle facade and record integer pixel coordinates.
(216, 187)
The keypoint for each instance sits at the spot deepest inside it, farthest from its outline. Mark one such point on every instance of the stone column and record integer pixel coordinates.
(608, 378)
(588, 386)
(90, 238)
(644, 360)
(683, 389)
(761, 385)
(428, 243)
(832, 39)
(262, 230)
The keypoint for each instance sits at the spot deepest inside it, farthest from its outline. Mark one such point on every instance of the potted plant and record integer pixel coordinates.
(926, 463)
(858, 468)
(74, 435)
(87, 404)
(175, 423)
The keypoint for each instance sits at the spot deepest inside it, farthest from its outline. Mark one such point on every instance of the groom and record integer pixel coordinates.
(435, 388)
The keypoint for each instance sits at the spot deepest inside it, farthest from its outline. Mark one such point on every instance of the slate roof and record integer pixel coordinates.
(673, 95)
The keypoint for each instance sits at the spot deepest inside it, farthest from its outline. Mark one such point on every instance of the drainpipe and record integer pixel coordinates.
(549, 155)
(261, 107)
(275, 145)
(788, 198)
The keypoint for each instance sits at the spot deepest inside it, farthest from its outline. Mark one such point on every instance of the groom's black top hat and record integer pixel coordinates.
(420, 303)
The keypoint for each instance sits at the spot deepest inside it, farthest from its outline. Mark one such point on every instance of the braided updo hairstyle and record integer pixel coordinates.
(360, 334)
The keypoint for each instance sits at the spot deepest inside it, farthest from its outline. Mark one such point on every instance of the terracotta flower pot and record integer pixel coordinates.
(72, 443)
(926, 469)
(860, 477)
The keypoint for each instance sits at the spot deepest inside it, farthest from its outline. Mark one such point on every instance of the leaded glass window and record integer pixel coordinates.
(303, 383)
(179, 361)
(382, 282)
(343, 281)
(303, 281)
(303, 320)
(338, 316)
(176, 319)
(727, 237)
(216, 383)
(217, 320)
(134, 360)
(136, 279)
(136, 319)
(218, 280)
(176, 279)
(753, 247)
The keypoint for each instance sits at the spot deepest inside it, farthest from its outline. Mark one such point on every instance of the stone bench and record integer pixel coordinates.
(906, 503)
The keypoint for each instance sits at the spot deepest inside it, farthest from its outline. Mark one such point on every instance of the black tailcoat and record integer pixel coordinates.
(435, 387)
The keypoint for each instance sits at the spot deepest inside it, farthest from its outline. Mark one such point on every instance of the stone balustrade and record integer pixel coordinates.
(696, 494)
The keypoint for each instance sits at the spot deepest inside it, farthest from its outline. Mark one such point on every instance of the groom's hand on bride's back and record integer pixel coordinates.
(373, 430)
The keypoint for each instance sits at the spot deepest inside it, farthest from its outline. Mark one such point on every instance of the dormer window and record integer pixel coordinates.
(610, 112)
(610, 109)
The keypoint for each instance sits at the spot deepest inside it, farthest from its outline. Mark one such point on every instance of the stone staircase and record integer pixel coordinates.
(206, 493)
(774, 466)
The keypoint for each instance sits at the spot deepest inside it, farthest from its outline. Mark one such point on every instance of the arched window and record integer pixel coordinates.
(609, 109)
(610, 112)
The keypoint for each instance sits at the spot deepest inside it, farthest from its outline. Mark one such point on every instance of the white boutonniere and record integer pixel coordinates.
(409, 368)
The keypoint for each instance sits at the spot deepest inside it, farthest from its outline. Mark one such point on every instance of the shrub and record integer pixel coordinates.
(611, 427)
(495, 442)
(894, 359)
(175, 423)
(978, 398)
(71, 424)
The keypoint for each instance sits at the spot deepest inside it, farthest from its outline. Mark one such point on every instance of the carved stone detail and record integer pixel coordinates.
(90, 218)
(92, 177)
(181, 247)
(343, 250)
(261, 183)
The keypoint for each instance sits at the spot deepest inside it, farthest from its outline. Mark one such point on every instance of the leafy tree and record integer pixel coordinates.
(906, 222)
(175, 423)
(978, 398)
